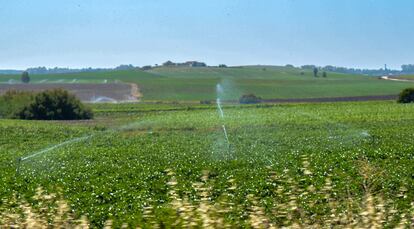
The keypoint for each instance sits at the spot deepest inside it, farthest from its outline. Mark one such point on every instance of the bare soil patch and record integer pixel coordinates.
(110, 92)
(401, 79)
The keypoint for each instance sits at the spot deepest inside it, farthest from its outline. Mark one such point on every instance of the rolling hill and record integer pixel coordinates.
(195, 84)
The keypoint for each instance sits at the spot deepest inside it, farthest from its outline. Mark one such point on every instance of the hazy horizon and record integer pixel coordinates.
(92, 33)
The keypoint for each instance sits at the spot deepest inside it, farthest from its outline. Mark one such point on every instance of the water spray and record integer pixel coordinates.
(20, 160)
(219, 108)
(219, 90)
(225, 134)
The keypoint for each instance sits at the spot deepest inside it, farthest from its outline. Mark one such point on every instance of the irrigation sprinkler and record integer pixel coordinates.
(19, 161)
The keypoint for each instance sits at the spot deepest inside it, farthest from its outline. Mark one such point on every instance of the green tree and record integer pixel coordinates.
(25, 77)
(324, 74)
(169, 64)
(315, 72)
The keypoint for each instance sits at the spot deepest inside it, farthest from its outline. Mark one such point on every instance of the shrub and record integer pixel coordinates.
(406, 96)
(205, 102)
(55, 104)
(249, 99)
(13, 102)
(25, 77)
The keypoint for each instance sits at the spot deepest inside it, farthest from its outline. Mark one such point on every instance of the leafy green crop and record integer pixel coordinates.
(121, 168)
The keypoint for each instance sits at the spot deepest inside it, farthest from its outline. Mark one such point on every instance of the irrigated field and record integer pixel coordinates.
(325, 159)
(268, 82)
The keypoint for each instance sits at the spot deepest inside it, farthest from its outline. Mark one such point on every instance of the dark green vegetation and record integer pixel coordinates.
(120, 169)
(12, 102)
(406, 96)
(25, 77)
(54, 104)
(267, 82)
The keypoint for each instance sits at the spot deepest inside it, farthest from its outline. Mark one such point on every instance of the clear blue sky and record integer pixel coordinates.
(105, 33)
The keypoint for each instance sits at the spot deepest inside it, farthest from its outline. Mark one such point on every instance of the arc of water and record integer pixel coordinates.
(55, 147)
(220, 109)
(225, 134)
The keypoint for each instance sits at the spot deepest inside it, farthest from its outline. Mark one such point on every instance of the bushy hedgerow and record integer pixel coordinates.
(13, 102)
(406, 96)
(250, 99)
(55, 104)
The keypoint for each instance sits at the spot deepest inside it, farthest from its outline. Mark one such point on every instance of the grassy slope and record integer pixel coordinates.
(118, 173)
(411, 77)
(200, 83)
(274, 82)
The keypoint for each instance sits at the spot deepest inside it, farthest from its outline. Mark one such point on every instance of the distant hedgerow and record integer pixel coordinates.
(205, 102)
(250, 99)
(406, 96)
(55, 104)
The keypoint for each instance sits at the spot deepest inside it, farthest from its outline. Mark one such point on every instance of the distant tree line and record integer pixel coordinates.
(56, 70)
(405, 69)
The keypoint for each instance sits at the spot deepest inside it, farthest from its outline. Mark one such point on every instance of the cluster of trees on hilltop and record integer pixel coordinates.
(185, 64)
(407, 68)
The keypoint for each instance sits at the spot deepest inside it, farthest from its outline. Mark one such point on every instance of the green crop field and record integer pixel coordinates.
(195, 84)
(137, 161)
(411, 77)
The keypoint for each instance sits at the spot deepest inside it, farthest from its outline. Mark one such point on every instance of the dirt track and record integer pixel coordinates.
(110, 92)
(401, 79)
